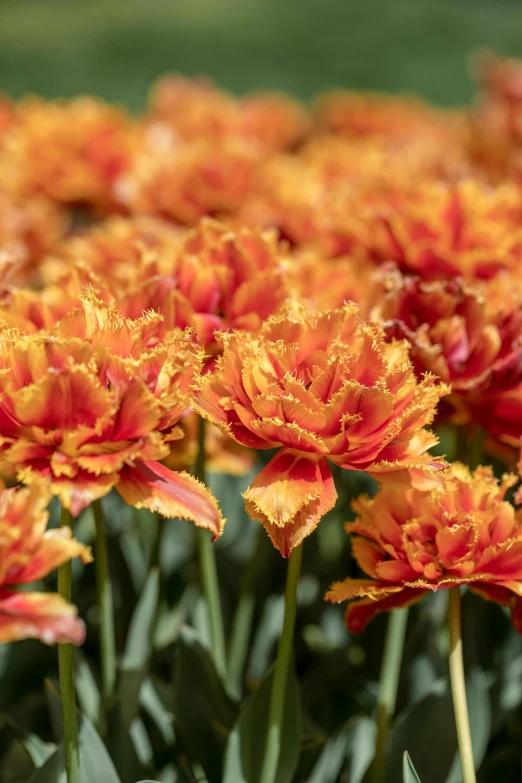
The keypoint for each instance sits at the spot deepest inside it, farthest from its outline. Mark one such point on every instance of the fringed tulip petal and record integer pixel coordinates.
(412, 539)
(153, 486)
(290, 496)
(44, 616)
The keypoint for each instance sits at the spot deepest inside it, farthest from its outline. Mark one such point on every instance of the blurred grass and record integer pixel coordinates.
(115, 48)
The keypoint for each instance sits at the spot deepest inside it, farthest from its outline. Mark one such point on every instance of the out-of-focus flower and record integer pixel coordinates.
(369, 114)
(233, 279)
(88, 406)
(411, 542)
(116, 248)
(471, 337)
(338, 194)
(195, 108)
(28, 552)
(382, 160)
(214, 278)
(7, 115)
(31, 311)
(495, 134)
(29, 228)
(222, 453)
(70, 152)
(319, 388)
(438, 231)
(185, 181)
(327, 283)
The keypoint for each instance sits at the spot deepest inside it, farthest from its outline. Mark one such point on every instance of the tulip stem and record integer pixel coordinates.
(389, 684)
(242, 626)
(208, 569)
(66, 671)
(284, 654)
(458, 688)
(106, 608)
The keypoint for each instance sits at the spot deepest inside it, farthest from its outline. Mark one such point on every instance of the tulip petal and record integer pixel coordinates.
(44, 616)
(359, 613)
(290, 496)
(151, 485)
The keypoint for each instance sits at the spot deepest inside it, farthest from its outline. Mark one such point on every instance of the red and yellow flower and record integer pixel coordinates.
(439, 231)
(319, 388)
(358, 114)
(196, 108)
(69, 152)
(184, 181)
(28, 552)
(29, 228)
(89, 407)
(470, 337)
(414, 541)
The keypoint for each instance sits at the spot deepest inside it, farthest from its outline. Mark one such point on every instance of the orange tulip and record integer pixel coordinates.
(470, 337)
(325, 387)
(195, 109)
(183, 182)
(70, 152)
(90, 407)
(440, 231)
(29, 227)
(360, 114)
(413, 541)
(28, 552)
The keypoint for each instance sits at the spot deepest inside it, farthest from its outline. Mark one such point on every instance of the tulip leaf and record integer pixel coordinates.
(428, 726)
(409, 774)
(204, 713)
(86, 688)
(95, 762)
(54, 705)
(138, 648)
(154, 707)
(362, 747)
(37, 750)
(247, 741)
(139, 639)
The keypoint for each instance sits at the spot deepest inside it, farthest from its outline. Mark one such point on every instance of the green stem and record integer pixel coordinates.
(458, 688)
(389, 684)
(66, 670)
(284, 654)
(208, 569)
(105, 603)
(242, 626)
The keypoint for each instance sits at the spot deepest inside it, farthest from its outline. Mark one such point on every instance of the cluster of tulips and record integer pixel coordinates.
(224, 275)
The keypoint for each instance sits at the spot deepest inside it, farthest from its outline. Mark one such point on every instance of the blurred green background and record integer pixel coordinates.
(115, 48)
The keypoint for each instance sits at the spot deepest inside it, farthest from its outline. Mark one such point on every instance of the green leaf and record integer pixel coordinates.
(330, 762)
(37, 750)
(121, 742)
(204, 712)
(362, 747)
(427, 727)
(86, 688)
(54, 704)
(152, 704)
(247, 741)
(409, 775)
(139, 640)
(138, 648)
(95, 763)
